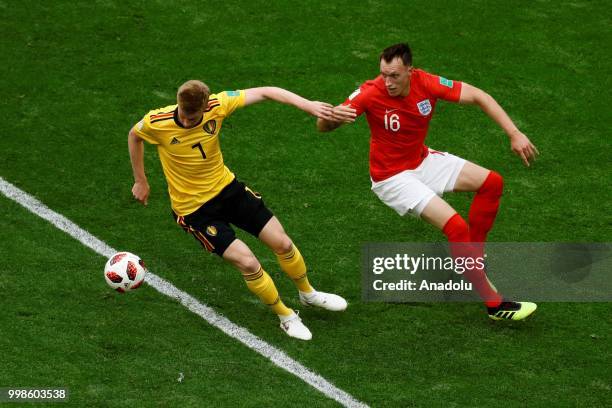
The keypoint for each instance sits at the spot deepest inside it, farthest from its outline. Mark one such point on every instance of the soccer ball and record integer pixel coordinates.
(124, 271)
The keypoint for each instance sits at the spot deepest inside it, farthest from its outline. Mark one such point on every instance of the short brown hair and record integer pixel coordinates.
(192, 96)
(401, 50)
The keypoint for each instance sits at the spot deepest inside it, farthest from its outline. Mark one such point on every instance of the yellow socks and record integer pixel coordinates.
(262, 285)
(293, 265)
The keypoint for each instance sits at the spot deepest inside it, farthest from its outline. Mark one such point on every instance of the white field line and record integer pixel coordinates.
(239, 333)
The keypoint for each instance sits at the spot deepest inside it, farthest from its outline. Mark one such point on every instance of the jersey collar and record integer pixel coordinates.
(178, 122)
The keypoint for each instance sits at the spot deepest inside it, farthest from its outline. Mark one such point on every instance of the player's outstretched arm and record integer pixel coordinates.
(341, 114)
(315, 108)
(141, 188)
(520, 144)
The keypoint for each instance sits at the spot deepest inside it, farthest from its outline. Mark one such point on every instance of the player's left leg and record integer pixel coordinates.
(488, 186)
(292, 263)
(440, 214)
(252, 215)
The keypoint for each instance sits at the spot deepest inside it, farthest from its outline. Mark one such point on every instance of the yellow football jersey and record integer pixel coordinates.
(191, 158)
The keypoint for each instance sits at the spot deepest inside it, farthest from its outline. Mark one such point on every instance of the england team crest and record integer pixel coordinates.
(424, 107)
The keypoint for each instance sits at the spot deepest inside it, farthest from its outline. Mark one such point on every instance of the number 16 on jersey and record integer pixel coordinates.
(392, 122)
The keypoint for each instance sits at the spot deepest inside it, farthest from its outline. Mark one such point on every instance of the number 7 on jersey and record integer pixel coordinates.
(199, 146)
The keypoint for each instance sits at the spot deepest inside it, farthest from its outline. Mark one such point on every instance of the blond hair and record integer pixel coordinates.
(192, 96)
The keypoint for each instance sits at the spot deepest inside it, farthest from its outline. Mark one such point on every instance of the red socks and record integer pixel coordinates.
(458, 232)
(484, 207)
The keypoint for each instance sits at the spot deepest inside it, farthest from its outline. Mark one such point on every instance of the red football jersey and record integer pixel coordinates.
(398, 125)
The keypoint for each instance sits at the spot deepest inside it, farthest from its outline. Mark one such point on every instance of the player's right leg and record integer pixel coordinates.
(259, 282)
(218, 237)
(443, 172)
(407, 193)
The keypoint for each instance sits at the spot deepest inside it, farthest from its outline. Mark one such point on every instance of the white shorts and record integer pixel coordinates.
(411, 190)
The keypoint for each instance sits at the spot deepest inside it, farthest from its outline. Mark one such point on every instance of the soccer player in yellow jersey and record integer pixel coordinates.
(207, 198)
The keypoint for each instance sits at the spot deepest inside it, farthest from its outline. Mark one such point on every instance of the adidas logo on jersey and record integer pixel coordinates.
(175, 141)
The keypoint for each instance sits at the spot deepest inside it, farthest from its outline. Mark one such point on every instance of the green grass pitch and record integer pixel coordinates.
(77, 75)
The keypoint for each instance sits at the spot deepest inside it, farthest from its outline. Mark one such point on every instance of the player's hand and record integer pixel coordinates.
(322, 110)
(523, 148)
(344, 114)
(140, 191)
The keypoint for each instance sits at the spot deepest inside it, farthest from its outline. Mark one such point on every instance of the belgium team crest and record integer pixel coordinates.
(424, 107)
(210, 126)
(211, 230)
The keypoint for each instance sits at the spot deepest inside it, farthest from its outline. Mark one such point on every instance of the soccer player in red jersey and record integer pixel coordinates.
(410, 177)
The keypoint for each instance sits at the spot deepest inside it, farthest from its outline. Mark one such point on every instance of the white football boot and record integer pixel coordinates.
(293, 326)
(324, 300)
